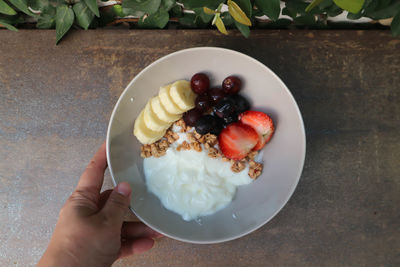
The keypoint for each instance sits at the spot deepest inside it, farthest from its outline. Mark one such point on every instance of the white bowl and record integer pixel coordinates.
(254, 204)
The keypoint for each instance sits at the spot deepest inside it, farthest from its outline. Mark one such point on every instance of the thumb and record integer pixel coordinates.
(117, 204)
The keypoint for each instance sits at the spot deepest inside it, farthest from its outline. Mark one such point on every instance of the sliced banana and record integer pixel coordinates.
(167, 101)
(161, 113)
(182, 95)
(152, 121)
(144, 134)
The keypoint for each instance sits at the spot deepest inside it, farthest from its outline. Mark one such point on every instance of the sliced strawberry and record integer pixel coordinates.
(237, 140)
(260, 122)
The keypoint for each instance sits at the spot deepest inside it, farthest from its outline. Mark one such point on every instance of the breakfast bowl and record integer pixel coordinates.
(254, 204)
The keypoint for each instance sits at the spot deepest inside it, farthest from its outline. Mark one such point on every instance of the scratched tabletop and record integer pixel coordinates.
(55, 103)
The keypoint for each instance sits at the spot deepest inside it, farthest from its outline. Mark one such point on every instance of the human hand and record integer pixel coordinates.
(90, 230)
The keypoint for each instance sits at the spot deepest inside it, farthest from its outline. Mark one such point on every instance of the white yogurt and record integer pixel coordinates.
(191, 183)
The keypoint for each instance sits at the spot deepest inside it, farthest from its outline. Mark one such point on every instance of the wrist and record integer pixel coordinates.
(53, 257)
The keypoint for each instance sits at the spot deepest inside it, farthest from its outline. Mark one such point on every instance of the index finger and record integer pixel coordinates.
(93, 176)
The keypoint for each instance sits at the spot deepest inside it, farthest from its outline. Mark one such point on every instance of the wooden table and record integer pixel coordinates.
(56, 101)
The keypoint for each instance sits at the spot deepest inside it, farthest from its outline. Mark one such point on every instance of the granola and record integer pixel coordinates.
(213, 153)
(255, 169)
(181, 123)
(145, 151)
(199, 142)
(196, 146)
(238, 166)
(225, 159)
(156, 149)
(197, 135)
(211, 139)
(185, 146)
(252, 155)
(171, 136)
(191, 137)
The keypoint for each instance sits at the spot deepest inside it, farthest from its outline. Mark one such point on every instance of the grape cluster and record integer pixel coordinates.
(217, 107)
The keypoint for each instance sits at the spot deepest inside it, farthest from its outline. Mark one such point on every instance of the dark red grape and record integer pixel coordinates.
(241, 103)
(224, 108)
(231, 85)
(231, 118)
(216, 94)
(204, 124)
(218, 125)
(200, 83)
(209, 124)
(202, 102)
(191, 117)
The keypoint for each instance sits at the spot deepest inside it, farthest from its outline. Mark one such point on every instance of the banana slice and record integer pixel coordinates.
(161, 113)
(182, 95)
(144, 134)
(152, 121)
(167, 101)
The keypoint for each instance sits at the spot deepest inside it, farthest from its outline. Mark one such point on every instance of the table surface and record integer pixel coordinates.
(56, 102)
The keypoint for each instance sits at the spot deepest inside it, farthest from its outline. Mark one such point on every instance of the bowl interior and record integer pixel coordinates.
(253, 204)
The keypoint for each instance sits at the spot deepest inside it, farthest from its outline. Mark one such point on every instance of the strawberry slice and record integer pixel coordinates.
(260, 122)
(237, 140)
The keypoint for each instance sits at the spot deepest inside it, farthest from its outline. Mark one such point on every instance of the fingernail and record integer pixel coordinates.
(124, 189)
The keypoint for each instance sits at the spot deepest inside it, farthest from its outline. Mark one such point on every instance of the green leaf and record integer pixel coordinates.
(257, 13)
(8, 26)
(395, 26)
(118, 10)
(271, 8)
(106, 16)
(334, 10)
(213, 4)
(6, 9)
(92, 4)
(245, 30)
(295, 8)
(383, 12)
(209, 11)
(220, 24)
(64, 21)
(370, 5)
(192, 21)
(176, 11)
(313, 4)
(353, 16)
(359, 14)
(147, 6)
(188, 20)
(22, 5)
(157, 20)
(379, 4)
(326, 3)
(227, 19)
(353, 6)
(38, 4)
(287, 12)
(46, 19)
(204, 16)
(167, 4)
(308, 19)
(83, 15)
(237, 13)
(132, 12)
(245, 5)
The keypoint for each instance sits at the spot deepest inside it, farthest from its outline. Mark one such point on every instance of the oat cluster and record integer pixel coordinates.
(196, 141)
(159, 148)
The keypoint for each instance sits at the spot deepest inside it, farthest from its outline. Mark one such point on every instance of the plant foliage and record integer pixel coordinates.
(222, 14)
